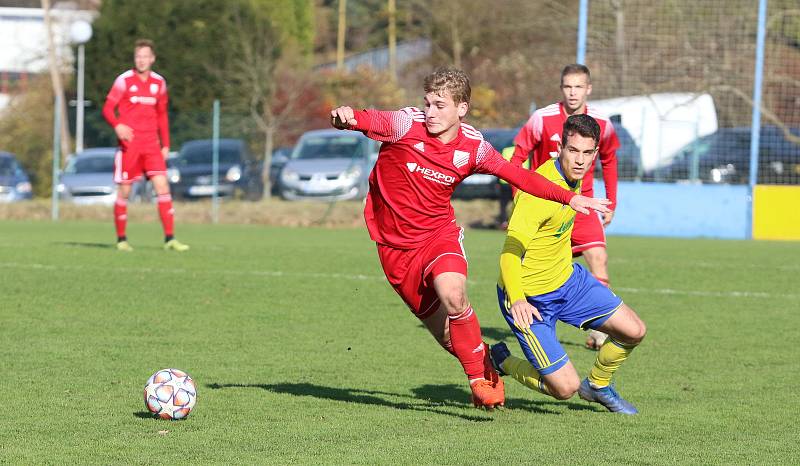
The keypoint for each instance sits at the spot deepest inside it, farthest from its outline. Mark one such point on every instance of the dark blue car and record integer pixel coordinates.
(190, 172)
(724, 157)
(14, 182)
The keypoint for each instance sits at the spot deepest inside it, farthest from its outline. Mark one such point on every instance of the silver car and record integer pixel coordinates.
(88, 178)
(329, 164)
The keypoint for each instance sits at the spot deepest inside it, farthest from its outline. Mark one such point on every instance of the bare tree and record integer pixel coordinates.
(268, 76)
(55, 76)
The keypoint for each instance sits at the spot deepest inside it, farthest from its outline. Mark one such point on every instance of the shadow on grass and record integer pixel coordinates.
(444, 400)
(86, 245)
(426, 398)
(444, 394)
(144, 415)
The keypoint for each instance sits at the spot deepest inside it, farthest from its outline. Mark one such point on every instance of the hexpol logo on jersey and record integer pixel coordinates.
(430, 174)
(460, 158)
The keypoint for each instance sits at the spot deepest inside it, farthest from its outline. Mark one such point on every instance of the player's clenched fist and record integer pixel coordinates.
(343, 118)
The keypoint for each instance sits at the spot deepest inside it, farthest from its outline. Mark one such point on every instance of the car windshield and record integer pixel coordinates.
(6, 166)
(500, 139)
(201, 155)
(329, 147)
(97, 164)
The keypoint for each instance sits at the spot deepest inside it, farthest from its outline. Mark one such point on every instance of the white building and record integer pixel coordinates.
(23, 43)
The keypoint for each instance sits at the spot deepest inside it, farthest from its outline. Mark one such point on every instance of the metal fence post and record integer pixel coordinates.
(56, 156)
(583, 16)
(755, 126)
(215, 164)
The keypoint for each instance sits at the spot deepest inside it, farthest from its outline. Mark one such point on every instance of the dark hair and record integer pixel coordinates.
(581, 124)
(449, 79)
(576, 68)
(144, 43)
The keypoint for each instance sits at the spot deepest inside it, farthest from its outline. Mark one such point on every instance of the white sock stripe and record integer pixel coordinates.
(121, 202)
(464, 315)
(164, 197)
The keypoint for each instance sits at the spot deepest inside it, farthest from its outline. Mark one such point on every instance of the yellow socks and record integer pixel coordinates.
(524, 373)
(611, 355)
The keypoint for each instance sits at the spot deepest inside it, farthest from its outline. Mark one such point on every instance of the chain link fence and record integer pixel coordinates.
(677, 78)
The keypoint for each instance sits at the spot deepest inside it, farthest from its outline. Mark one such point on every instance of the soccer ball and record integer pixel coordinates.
(170, 394)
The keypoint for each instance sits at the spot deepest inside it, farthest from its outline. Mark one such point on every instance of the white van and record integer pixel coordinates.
(661, 124)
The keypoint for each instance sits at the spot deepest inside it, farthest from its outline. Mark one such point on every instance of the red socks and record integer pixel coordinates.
(167, 213)
(120, 216)
(465, 335)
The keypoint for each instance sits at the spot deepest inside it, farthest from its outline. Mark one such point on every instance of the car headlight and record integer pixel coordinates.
(289, 175)
(352, 174)
(234, 174)
(173, 175)
(723, 173)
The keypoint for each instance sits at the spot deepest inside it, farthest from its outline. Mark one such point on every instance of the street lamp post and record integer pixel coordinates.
(80, 33)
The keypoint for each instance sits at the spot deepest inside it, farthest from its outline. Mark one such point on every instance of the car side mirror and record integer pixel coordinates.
(279, 159)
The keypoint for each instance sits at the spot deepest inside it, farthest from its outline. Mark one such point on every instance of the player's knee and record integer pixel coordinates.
(640, 332)
(455, 301)
(564, 390)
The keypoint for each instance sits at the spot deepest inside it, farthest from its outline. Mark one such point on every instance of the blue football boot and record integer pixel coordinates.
(497, 354)
(607, 397)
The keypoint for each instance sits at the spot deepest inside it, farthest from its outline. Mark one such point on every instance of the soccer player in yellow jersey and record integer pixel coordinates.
(539, 284)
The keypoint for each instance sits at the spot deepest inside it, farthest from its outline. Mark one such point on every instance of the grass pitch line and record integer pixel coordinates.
(361, 277)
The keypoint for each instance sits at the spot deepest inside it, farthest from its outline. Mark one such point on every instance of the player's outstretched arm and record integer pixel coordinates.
(343, 117)
(490, 161)
(584, 204)
(380, 125)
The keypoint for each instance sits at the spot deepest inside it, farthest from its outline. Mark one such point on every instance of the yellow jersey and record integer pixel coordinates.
(537, 254)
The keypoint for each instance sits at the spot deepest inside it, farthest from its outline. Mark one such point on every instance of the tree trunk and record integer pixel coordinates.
(622, 60)
(55, 77)
(456, 38)
(269, 142)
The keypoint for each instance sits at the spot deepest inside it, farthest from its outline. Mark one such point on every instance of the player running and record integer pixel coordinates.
(424, 155)
(539, 139)
(539, 285)
(140, 97)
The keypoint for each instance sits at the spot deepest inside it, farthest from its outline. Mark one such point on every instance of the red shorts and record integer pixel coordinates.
(142, 155)
(411, 271)
(587, 233)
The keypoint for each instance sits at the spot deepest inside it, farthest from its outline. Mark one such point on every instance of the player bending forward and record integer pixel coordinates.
(424, 155)
(539, 285)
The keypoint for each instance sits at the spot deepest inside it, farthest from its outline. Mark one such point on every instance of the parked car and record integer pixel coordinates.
(88, 178)
(724, 157)
(329, 164)
(190, 172)
(14, 182)
(481, 185)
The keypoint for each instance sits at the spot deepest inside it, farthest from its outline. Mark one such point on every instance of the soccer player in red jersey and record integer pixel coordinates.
(424, 155)
(539, 140)
(142, 127)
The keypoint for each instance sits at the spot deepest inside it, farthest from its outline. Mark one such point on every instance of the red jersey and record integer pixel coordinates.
(541, 135)
(415, 175)
(142, 105)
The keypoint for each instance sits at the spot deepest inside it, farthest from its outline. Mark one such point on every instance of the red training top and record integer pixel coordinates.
(542, 135)
(142, 105)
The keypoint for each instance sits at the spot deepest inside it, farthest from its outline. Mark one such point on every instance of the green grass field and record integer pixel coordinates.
(303, 354)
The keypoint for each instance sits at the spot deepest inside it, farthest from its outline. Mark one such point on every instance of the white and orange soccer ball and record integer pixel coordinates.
(170, 394)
